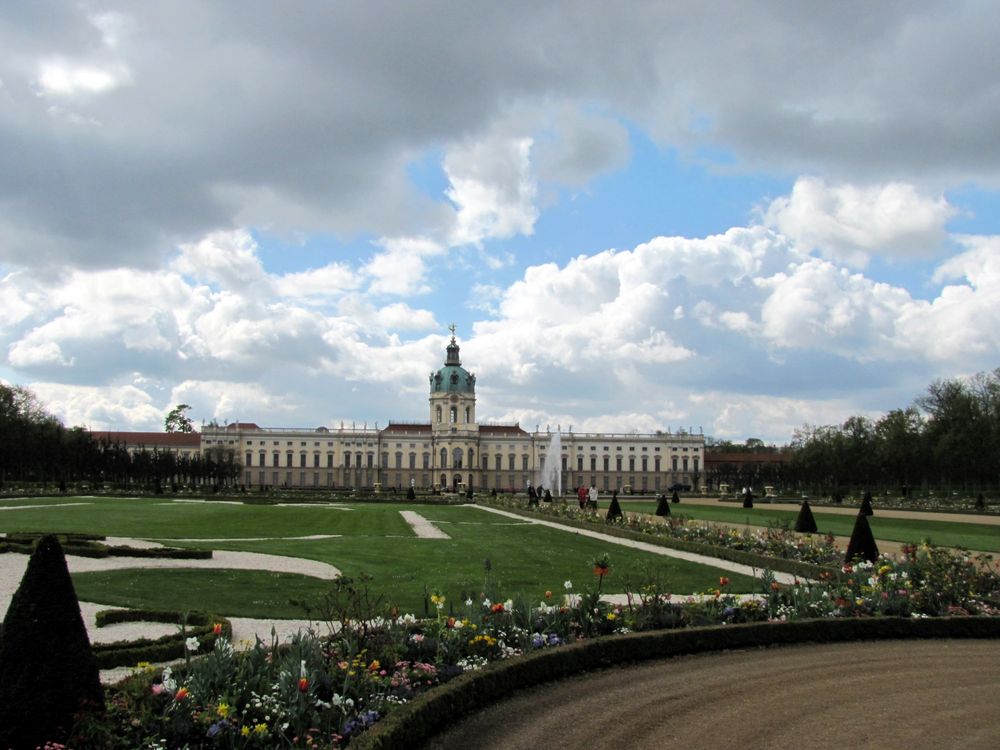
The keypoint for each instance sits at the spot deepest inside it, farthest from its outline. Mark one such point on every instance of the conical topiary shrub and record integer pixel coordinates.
(866, 504)
(675, 498)
(614, 510)
(862, 542)
(47, 670)
(806, 522)
(662, 506)
(747, 498)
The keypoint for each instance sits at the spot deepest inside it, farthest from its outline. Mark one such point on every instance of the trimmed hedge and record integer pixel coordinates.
(166, 648)
(89, 545)
(761, 562)
(430, 713)
(173, 553)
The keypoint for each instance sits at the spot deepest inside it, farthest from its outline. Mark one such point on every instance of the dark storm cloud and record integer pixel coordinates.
(303, 116)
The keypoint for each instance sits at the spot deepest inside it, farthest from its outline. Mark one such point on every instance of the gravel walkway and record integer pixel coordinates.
(423, 528)
(885, 695)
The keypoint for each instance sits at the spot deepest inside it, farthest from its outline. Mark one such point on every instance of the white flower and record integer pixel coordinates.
(568, 585)
(191, 644)
(487, 603)
(468, 602)
(509, 605)
(302, 668)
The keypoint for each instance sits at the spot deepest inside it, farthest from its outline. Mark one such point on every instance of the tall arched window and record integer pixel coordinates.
(457, 458)
(438, 415)
(453, 414)
(444, 458)
(468, 414)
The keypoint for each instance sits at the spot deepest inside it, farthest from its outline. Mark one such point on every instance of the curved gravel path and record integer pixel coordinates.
(889, 694)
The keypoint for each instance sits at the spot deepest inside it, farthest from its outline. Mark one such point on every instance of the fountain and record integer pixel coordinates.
(550, 477)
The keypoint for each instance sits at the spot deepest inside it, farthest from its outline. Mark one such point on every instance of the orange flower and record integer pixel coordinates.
(217, 628)
(775, 585)
(600, 571)
(303, 684)
(723, 581)
(548, 594)
(181, 694)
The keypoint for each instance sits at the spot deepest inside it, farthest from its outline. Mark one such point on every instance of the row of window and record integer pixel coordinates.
(508, 481)
(458, 461)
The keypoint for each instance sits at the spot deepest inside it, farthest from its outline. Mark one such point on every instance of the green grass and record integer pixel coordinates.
(373, 539)
(233, 593)
(973, 536)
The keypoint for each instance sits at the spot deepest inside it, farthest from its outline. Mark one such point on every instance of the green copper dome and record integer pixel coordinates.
(453, 378)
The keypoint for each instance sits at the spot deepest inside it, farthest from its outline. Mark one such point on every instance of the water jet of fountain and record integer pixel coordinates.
(550, 476)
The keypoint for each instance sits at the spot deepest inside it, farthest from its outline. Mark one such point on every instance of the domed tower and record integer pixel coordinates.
(454, 431)
(453, 395)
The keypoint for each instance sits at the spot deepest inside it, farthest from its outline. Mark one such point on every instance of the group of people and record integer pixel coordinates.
(587, 498)
(540, 494)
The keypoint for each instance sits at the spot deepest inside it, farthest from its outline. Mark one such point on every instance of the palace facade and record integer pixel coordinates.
(453, 450)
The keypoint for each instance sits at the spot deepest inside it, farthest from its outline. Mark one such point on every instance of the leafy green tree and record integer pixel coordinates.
(177, 420)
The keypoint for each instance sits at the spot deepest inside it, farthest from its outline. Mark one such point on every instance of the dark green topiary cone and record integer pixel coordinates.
(47, 670)
(805, 523)
(614, 510)
(862, 542)
(866, 504)
(662, 506)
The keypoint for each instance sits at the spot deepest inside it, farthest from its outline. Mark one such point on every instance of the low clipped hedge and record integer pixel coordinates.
(754, 560)
(90, 545)
(431, 712)
(166, 648)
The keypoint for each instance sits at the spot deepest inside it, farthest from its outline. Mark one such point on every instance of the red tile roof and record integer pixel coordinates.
(403, 427)
(502, 429)
(152, 439)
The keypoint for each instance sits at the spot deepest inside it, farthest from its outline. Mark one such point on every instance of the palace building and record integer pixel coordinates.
(453, 450)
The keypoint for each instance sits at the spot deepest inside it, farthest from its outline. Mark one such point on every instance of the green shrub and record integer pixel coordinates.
(199, 625)
(805, 523)
(47, 671)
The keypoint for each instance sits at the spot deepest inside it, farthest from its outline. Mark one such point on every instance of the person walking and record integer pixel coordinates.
(581, 495)
(592, 498)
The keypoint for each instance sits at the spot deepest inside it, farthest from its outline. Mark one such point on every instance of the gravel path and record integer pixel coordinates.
(920, 515)
(423, 528)
(885, 695)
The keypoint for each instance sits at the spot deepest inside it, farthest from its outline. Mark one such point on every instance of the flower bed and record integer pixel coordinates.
(325, 692)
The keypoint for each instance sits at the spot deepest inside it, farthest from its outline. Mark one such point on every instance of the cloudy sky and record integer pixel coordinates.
(728, 216)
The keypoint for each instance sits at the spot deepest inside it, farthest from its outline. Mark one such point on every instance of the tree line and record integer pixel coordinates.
(948, 439)
(36, 448)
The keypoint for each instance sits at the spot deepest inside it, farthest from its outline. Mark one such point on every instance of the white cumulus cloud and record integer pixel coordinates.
(850, 223)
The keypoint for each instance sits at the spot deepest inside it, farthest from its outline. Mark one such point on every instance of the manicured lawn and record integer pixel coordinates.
(973, 536)
(373, 539)
(234, 593)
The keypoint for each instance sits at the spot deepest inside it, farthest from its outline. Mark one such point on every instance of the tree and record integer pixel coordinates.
(177, 420)
(48, 673)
